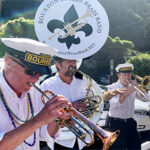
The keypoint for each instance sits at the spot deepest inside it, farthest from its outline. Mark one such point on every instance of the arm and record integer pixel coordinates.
(118, 97)
(48, 114)
(15, 137)
(107, 95)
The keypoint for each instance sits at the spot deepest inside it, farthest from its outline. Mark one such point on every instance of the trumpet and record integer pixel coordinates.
(106, 137)
(145, 85)
(145, 82)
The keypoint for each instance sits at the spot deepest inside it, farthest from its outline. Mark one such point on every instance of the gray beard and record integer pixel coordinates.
(69, 74)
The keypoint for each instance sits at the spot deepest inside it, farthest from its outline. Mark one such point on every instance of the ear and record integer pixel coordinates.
(118, 74)
(58, 66)
(8, 61)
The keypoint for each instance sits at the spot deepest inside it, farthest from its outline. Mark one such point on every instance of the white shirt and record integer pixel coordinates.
(126, 109)
(74, 91)
(19, 108)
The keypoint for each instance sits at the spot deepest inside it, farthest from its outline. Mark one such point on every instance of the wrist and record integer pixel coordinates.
(38, 121)
(53, 128)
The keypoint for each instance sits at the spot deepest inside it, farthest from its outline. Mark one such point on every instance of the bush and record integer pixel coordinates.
(16, 28)
(141, 64)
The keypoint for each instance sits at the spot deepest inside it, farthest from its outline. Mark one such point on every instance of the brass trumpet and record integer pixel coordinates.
(145, 85)
(106, 137)
(145, 82)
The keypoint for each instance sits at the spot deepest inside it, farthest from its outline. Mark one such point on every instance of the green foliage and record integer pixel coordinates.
(130, 20)
(141, 64)
(117, 43)
(16, 28)
(130, 53)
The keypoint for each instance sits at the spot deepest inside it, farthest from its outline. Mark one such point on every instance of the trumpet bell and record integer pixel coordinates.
(146, 83)
(108, 141)
(106, 137)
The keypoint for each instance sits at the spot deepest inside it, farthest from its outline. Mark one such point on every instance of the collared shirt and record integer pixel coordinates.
(126, 109)
(19, 107)
(74, 91)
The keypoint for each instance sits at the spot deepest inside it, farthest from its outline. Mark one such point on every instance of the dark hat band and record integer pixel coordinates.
(125, 69)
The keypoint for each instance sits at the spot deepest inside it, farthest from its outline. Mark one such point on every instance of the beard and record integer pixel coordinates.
(71, 71)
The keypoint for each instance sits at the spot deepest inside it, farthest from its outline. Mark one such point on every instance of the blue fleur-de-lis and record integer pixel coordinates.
(70, 26)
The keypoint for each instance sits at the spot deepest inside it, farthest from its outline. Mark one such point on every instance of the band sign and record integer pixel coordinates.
(77, 28)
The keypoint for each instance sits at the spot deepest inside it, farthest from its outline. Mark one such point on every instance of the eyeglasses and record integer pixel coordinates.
(31, 72)
(27, 70)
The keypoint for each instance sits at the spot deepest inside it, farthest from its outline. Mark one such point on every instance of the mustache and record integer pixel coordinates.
(72, 69)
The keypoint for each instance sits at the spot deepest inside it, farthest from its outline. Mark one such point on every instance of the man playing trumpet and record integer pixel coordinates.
(121, 109)
(24, 121)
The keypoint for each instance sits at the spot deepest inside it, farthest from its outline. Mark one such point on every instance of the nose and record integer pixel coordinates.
(128, 76)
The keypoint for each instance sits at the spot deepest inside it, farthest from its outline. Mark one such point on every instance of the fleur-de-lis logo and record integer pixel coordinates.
(70, 26)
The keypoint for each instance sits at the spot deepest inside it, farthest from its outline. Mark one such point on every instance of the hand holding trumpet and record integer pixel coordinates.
(130, 89)
(133, 86)
(109, 94)
(53, 109)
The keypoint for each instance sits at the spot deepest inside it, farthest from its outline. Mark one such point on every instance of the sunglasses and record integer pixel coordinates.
(27, 70)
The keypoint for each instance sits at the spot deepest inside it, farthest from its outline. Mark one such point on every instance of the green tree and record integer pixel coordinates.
(141, 64)
(129, 19)
(17, 28)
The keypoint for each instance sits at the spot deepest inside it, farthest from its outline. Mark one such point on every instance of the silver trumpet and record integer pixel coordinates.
(106, 137)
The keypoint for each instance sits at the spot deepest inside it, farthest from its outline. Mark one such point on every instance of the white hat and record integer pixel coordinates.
(24, 44)
(126, 68)
(34, 54)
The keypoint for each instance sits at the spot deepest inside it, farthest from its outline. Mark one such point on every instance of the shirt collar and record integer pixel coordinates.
(59, 81)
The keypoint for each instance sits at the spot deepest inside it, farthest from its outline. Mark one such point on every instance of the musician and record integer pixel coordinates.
(70, 84)
(122, 110)
(23, 118)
